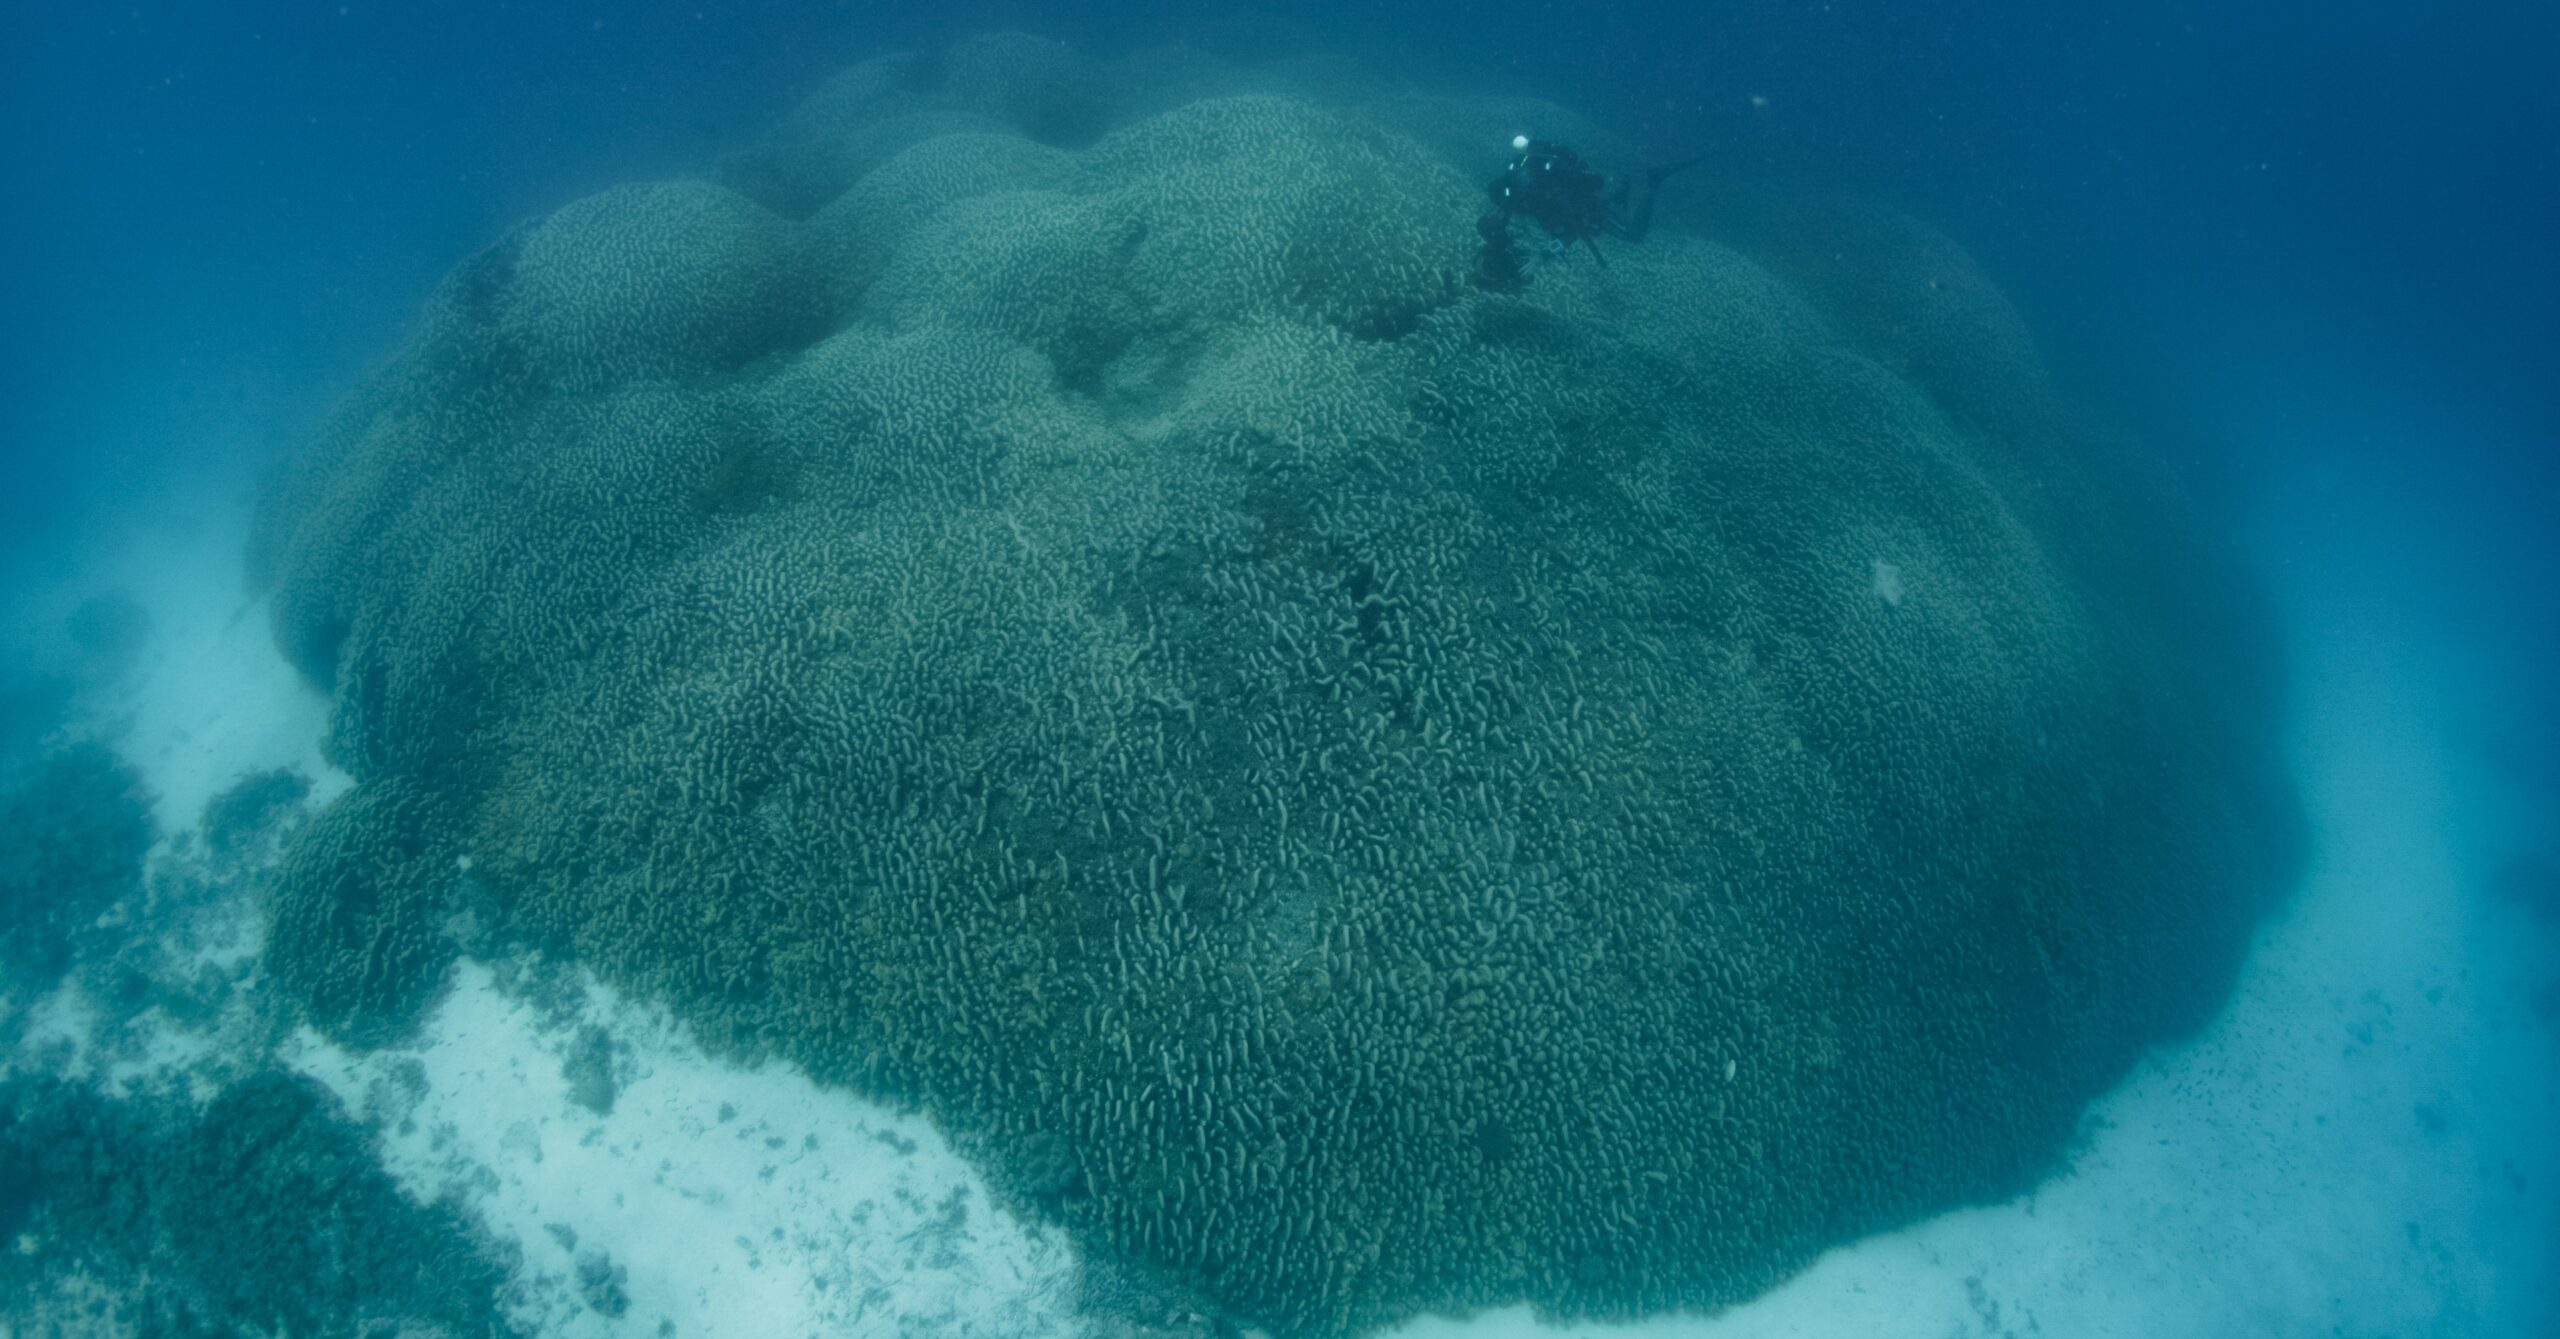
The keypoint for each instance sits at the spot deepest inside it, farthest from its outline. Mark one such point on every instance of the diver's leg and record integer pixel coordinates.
(1498, 263)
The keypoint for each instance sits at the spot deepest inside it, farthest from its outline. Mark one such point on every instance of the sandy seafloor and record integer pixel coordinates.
(2351, 1148)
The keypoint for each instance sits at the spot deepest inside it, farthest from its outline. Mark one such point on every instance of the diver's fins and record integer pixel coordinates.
(1653, 175)
(1640, 206)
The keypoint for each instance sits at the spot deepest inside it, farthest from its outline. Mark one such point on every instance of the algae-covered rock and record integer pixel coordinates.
(259, 1212)
(1368, 796)
(75, 824)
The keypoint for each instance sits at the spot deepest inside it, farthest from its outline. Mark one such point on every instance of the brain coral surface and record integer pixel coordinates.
(1042, 592)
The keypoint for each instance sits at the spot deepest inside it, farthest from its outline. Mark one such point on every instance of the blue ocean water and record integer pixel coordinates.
(2303, 251)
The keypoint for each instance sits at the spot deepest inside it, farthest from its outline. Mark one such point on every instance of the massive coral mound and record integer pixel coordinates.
(1366, 795)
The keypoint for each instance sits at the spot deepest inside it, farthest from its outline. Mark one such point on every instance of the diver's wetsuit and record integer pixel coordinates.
(1550, 185)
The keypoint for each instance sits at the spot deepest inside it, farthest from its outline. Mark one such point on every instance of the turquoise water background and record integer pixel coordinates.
(2304, 249)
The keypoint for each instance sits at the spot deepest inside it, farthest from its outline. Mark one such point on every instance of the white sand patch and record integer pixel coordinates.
(67, 1034)
(61, 1039)
(1885, 579)
(57, 1028)
(211, 700)
(735, 1202)
(207, 699)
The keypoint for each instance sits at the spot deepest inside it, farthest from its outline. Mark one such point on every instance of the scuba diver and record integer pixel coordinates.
(1550, 185)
